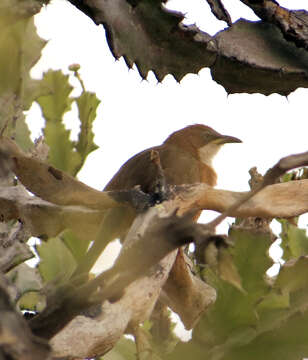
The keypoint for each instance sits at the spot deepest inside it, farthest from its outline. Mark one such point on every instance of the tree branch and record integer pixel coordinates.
(151, 238)
(247, 57)
(279, 200)
(283, 165)
(56, 186)
(144, 263)
(219, 11)
(292, 23)
(46, 219)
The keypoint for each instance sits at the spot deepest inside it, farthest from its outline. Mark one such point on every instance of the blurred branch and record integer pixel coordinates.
(44, 219)
(151, 238)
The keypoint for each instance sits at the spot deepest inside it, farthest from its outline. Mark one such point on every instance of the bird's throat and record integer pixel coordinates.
(208, 152)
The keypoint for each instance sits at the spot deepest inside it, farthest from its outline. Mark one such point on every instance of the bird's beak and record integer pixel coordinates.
(228, 139)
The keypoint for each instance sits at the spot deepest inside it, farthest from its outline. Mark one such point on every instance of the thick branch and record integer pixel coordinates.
(279, 200)
(272, 175)
(247, 57)
(58, 187)
(292, 23)
(43, 218)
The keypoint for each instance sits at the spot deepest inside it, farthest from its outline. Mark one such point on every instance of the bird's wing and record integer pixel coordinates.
(179, 167)
(138, 170)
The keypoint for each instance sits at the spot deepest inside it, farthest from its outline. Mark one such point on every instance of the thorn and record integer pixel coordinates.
(143, 79)
(128, 62)
(142, 73)
(178, 77)
(158, 76)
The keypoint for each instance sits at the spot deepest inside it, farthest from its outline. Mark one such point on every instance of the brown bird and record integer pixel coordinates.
(186, 158)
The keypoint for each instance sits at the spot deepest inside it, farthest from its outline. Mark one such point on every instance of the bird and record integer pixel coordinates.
(185, 158)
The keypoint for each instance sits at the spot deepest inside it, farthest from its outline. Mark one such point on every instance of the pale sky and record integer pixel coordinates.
(136, 114)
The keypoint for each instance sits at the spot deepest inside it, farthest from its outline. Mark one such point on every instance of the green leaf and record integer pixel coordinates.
(252, 260)
(87, 104)
(33, 89)
(227, 269)
(282, 334)
(294, 240)
(32, 300)
(57, 263)
(65, 154)
(293, 276)
(10, 70)
(20, 49)
(280, 329)
(12, 120)
(274, 300)
(32, 46)
(58, 102)
(235, 309)
(62, 154)
(78, 247)
(288, 342)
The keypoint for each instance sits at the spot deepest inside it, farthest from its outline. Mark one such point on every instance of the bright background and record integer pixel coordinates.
(136, 114)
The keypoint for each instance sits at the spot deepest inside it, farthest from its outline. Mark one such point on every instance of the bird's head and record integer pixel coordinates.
(202, 141)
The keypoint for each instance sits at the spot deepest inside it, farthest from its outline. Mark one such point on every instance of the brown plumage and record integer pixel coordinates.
(185, 157)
